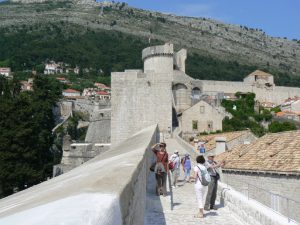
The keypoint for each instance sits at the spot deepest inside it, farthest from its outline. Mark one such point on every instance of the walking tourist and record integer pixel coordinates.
(161, 167)
(186, 165)
(175, 162)
(211, 166)
(200, 189)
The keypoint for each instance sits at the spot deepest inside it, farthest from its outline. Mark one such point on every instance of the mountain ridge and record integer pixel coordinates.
(199, 35)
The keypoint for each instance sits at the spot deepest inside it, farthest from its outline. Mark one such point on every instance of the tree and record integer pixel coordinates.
(276, 126)
(26, 139)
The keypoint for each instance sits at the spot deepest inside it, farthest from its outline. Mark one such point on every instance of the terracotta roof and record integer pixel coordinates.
(210, 139)
(71, 91)
(259, 73)
(280, 114)
(102, 93)
(278, 152)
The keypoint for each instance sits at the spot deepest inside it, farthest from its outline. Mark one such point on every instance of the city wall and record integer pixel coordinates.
(275, 94)
(283, 185)
(117, 179)
(249, 211)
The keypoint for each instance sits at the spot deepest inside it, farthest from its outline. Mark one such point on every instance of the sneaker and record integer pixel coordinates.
(214, 208)
(206, 209)
(173, 186)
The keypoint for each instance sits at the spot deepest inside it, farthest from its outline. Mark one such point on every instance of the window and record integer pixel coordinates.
(195, 124)
(202, 109)
(210, 125)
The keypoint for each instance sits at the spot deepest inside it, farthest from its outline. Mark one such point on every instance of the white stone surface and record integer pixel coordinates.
(88, 208)
(180, 205)
(111, 182)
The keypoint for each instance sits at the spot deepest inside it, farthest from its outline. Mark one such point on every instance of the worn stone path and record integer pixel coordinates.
(180, 206)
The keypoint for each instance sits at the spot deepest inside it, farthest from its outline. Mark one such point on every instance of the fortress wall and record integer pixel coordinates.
(139, 100)
(224, 86)
(284, 185)
(117, 180)
(276, 94)
(159, 64)
(249, 211)
(84, 106)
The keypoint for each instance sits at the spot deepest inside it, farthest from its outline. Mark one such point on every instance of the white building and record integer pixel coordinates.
(71, 93)
(52, 68)
(103, 95)
(5, 71)
(76, 70)
(201, 117)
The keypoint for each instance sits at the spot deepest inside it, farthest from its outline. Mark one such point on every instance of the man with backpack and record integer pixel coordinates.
(174, 163)
(211, 166)
(186, 165)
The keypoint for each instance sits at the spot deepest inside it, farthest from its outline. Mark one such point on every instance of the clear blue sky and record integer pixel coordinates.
(279, 18)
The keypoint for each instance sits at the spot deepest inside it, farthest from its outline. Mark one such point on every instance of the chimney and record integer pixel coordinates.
(220, 145)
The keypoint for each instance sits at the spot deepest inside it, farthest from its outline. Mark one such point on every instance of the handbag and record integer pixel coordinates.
(171, 165)
(217, 176)
(152, 167)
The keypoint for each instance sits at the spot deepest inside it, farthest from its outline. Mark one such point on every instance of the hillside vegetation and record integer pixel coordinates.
(102, 52)
(112, 36)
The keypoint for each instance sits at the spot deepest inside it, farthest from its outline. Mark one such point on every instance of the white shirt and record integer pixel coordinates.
(196, 170)
(176, 160)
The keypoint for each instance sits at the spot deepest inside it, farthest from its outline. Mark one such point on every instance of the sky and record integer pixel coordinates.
(278, 18)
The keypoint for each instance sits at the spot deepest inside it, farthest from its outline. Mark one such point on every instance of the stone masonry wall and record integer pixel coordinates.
(139, 100)
(119, 175)
(288, 186)
(276, 94)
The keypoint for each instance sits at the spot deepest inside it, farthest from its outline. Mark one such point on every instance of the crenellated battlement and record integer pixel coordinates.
(159, 50)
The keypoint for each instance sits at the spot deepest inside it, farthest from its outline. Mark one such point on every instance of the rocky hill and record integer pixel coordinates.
(200, 35)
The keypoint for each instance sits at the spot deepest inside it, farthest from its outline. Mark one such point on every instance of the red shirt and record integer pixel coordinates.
(162, 157)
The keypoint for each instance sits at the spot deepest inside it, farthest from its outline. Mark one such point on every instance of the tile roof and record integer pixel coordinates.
(259, 73)
(71, 91)
(102, 93)
(278, 152)
(210, 138)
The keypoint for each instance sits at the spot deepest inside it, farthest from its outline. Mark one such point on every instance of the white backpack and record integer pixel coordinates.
(205, 177)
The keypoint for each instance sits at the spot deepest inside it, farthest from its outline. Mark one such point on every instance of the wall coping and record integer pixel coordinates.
(292, 173)
(249, 210)
(111, 177)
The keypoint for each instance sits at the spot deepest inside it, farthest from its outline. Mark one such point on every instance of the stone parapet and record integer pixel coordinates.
(160, 50)
(109, 189)
(248, 210)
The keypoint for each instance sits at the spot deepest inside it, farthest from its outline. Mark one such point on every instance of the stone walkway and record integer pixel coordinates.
(180, 206)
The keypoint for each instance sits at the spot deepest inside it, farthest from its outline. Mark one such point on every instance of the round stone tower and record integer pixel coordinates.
(158, 59)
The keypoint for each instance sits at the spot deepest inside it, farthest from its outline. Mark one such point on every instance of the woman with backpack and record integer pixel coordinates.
(186, 165)
(161, 167)
(202, 179)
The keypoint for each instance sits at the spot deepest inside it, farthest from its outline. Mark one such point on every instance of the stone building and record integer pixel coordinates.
(71, 93)
(201, 117)
(141, 98)
(267, 170)
(97, 139)
(149, 96)
(5, 71)
(219, 143)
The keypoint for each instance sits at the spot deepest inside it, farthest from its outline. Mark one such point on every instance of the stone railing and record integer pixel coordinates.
(248, 210)
(110, 189)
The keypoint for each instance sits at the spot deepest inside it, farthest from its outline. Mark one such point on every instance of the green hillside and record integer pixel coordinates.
(28, 47)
